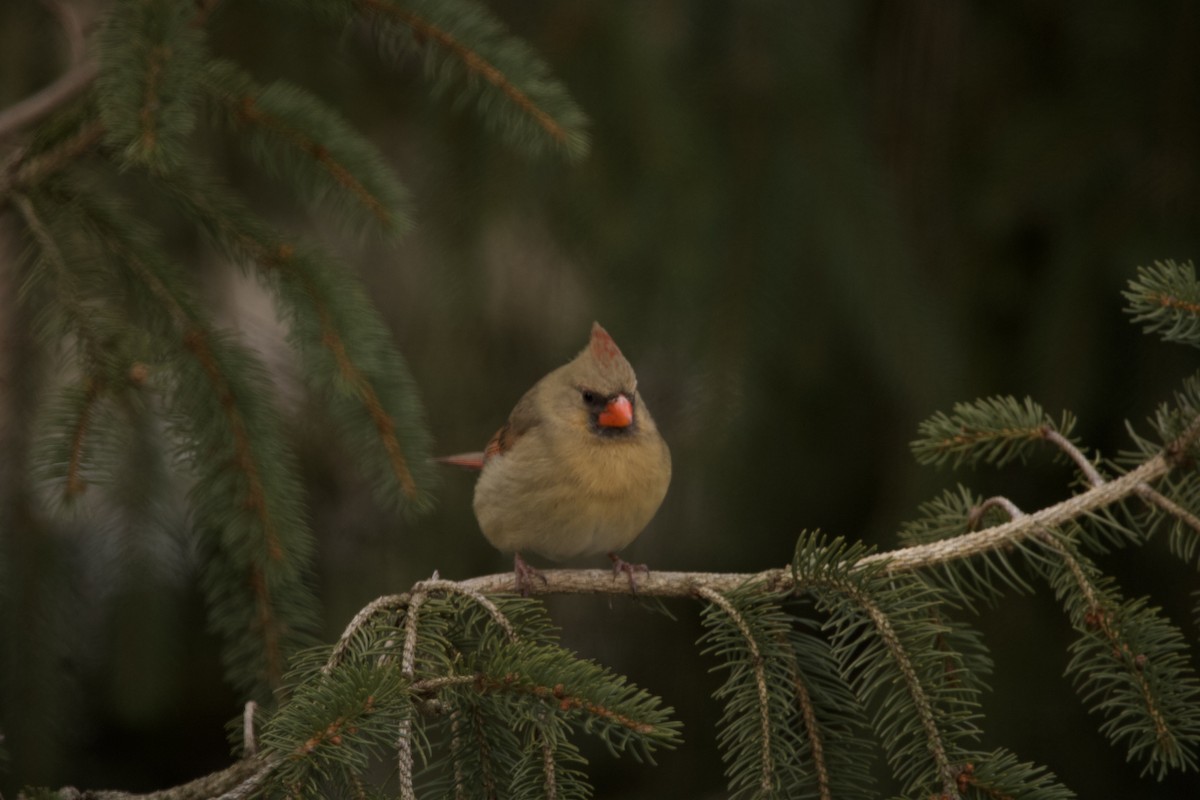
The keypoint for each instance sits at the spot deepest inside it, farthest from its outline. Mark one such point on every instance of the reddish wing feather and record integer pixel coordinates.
(499, 444)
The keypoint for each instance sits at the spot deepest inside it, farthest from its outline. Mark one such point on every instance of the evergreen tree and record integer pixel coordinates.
(458, 688)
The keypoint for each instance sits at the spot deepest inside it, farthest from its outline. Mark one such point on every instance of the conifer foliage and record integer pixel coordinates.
(126, 321)
(843, 667)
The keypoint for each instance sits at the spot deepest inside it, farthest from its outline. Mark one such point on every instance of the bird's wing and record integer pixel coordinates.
(522, 418)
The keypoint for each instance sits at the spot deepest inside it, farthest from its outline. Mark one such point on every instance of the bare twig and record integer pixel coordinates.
(389, 602)
(812, 728)
(1075, 454)
(416, 600)
(1074, 507)
(1155, 497)
(1145, 491)
(39, 105)
(81, 71)
(249, 737)
(20, 171)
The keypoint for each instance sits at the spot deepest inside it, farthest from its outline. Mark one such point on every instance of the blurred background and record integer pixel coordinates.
(809, 226)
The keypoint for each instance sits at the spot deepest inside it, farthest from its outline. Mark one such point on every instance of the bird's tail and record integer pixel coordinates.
(464, 460)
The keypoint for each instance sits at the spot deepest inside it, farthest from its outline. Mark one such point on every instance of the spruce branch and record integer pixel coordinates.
(426, 31)
(386, 603)
(953, 514)
(150, 61)
(472, 660)
(1128, 663)
(816, 743)
(297, 137)
(68, 294)
(466, 47)
(998, 775)
(37, 106)
(659, 583)
(897, 561)
(1165, 298)
(1073, 452)
(790, 725)
(79, 75)
(1157, 498)
(767, 778)
(27, 169)
(412, 604)
(993, 430)
(219, 395)
(990, 539)
(880, 630)
(1107, 662)
(349, 354)
(1145, 491)
(901, 560)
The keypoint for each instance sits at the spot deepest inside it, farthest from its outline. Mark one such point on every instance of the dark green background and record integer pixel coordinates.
(808, 225)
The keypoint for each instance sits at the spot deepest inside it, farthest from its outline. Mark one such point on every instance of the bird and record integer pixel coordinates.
(579, 468)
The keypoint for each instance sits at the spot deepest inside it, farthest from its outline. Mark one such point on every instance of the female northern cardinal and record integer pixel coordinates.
(578, 469)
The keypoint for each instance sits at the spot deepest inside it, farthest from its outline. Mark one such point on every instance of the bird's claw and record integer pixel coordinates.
(621, 565)
(523, 575)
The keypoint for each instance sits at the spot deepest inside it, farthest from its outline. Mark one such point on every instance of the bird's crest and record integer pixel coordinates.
(603, 348)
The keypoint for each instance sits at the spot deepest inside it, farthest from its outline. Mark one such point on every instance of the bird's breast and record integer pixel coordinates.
(562, 502)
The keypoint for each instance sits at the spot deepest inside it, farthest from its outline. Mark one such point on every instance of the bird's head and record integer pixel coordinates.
(598, 388)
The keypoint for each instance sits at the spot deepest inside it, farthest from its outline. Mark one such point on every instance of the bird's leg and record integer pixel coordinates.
(523, 575)
(621, 565)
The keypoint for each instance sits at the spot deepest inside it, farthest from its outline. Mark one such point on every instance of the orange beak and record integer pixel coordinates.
(618, 413)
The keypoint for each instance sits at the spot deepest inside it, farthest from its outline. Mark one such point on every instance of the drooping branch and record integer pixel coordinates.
(472, 61)
(767, 766)
(39, 105)
(244, 776)
(79, 75)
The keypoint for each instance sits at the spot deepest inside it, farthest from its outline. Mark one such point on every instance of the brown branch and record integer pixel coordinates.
(250, 111)
(1155, 497)
(921, 704)
(76, 485)
(1165, 300)
(767, 774)
(1113, 491)
(70, 300)
(1074, 453)
(1145, 491)
(195, 339)
(22, 172)
(41, 104)
(1097, 617)
(382, 420)
(81, 72)
(222, 783)
(151, 103)
(245, 775)
(812, 728)
(423, 30)
(281, 257)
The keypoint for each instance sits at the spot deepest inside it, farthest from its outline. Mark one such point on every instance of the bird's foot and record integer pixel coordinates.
(621, 565)
(523, 575)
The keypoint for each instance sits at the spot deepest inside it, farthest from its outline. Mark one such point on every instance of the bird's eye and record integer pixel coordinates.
(590, 398)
